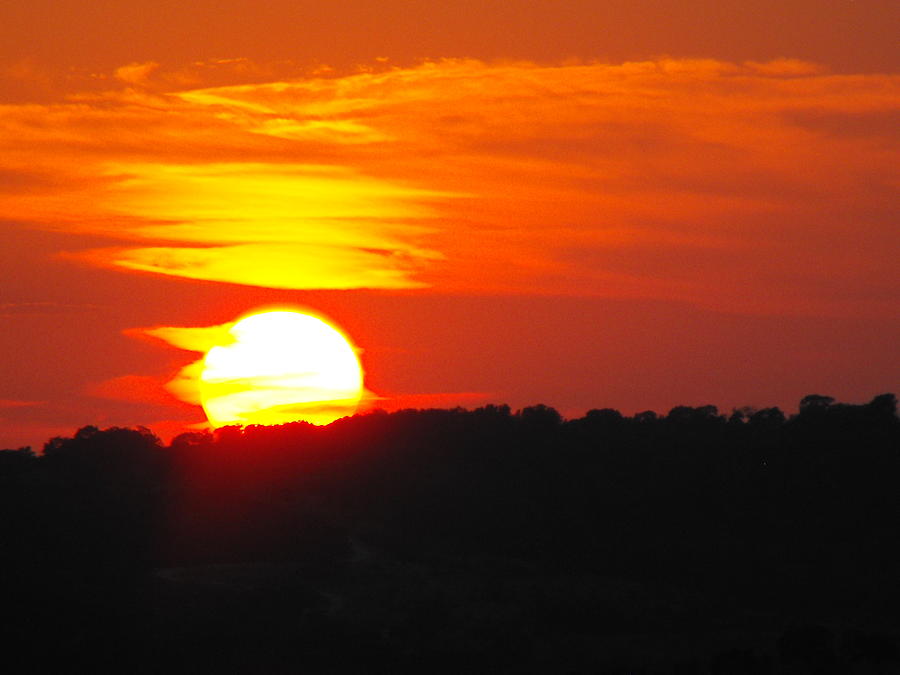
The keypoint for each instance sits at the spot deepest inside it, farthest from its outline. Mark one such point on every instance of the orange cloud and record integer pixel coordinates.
(753, 187)
(16, 403)
(185, 385)
(394, 402)
(139, 388)
(136, 73)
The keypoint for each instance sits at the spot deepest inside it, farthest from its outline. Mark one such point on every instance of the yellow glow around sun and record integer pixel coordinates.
(281, 366)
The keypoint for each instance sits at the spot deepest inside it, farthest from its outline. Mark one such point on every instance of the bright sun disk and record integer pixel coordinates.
(282, 366)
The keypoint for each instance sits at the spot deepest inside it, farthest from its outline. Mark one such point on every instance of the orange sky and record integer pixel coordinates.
(588, 204)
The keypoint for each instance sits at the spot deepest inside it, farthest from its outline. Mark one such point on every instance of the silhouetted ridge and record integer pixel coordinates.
(517, 541)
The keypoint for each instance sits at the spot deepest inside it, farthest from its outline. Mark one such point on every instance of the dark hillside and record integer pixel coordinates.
(465, 541)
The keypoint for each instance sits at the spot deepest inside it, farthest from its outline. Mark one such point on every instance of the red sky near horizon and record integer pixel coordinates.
(586, 204)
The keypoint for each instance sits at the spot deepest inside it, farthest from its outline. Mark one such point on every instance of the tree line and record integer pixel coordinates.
(506, 539)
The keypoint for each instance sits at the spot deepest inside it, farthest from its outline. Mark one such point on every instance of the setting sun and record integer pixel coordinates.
(280, 367)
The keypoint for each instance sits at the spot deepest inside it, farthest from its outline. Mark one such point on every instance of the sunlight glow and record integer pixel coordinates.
(273, 225)
(280, 367)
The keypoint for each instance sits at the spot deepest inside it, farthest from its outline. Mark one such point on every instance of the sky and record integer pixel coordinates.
(629, 204)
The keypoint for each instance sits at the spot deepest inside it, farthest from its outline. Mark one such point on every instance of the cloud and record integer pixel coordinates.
(752, 187)
(137, 388)
(18, 309)
(391, 402)
(185, 385)
(136, 73)
(295, 226)
(271, 265)
(200, 339)
(16, 403)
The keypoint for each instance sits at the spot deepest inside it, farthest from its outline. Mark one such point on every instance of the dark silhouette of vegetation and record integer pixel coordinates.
(464, 541)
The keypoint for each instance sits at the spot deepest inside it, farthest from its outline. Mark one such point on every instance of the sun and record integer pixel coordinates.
(279, 367)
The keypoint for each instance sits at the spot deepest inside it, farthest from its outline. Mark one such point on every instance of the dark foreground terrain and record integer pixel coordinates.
(452, 541)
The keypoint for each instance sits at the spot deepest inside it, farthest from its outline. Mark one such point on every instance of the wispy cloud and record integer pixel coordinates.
(137, 388)
(18, 309)
(391, 402)
(16, 403)
(751, 187)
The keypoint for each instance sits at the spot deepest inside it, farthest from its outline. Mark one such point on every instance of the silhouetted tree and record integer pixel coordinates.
(768, 418)
(12, 461)
(683, 414)
(604, 416)
(540, 417)
(884, 406)
(647, 416)
(814, 403)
